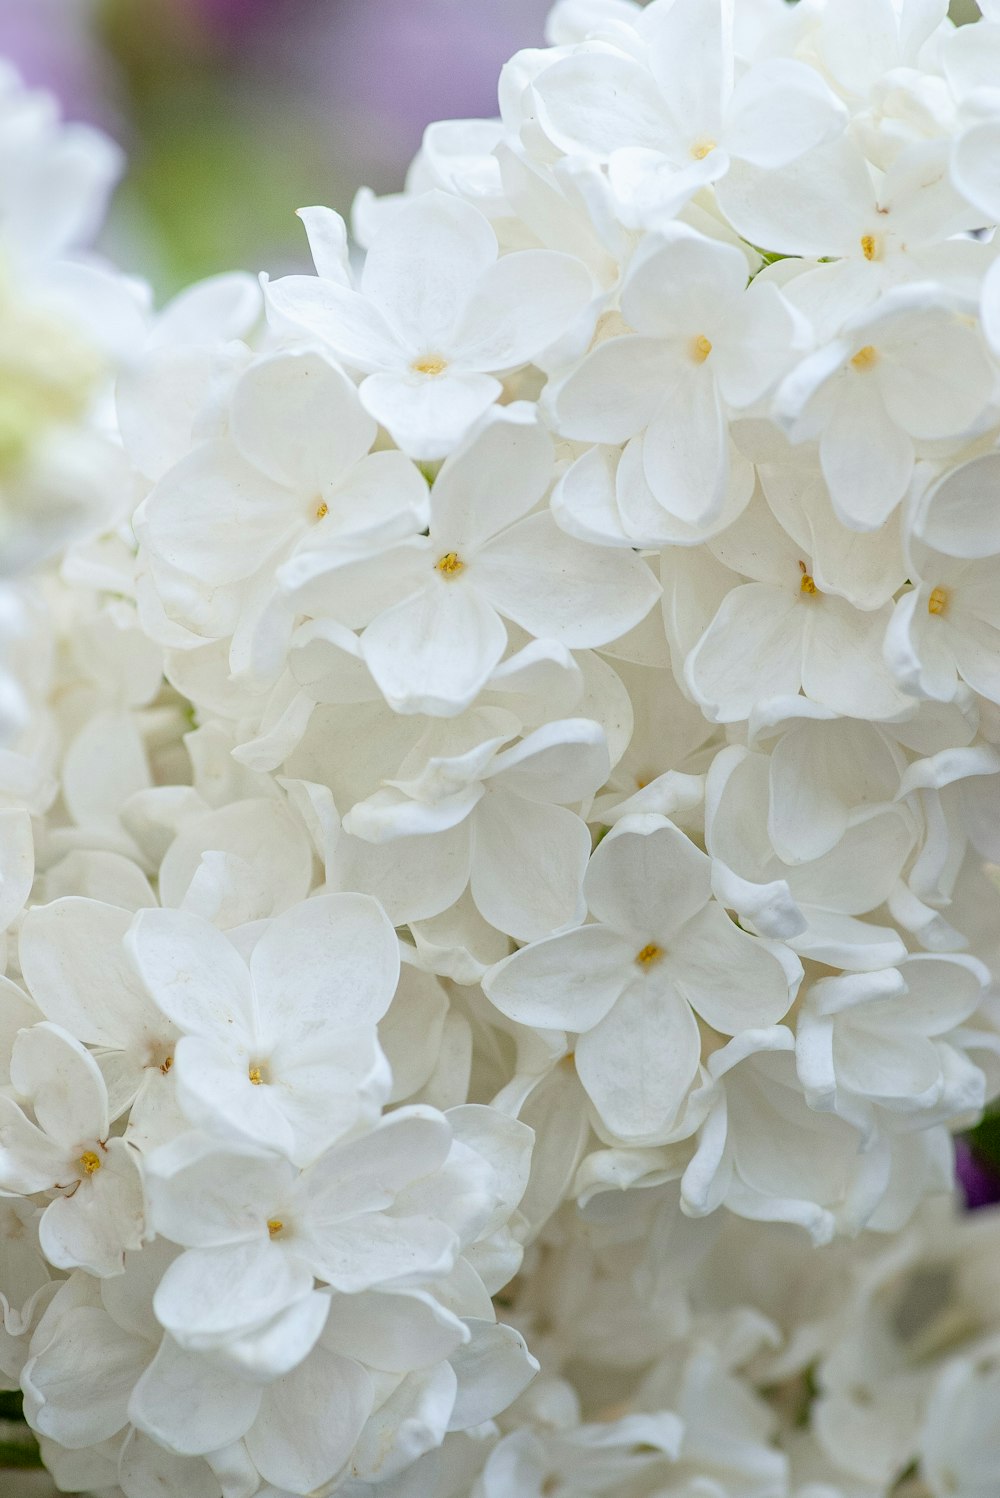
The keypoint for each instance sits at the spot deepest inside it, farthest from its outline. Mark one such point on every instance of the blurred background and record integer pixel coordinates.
(236, 112)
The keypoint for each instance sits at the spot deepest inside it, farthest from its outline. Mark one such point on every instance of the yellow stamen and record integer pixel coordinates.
(432, 364)
(322, 510)
(869, 246)
(166, 1065)
(865, 358)
(702, 149)
(701, 347)
(450, 565)
(275, 1226)
(808, 584)
(650, 953)
(256, 1075)
(90, 1162)
(938, 601)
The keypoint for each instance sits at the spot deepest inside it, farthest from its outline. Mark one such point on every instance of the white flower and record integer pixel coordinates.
(680, 101)
(706, 344)
(780, 634)
(948, 626)
(73, 961)
(497, 820)
(762, 1152)
(660, 953)
(97, 1209)
(883, 1038)
(437, 318)
(435, 646)
(284, 1054)
(912, 368)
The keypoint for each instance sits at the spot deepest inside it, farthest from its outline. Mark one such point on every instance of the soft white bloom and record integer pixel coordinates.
(660, 953)
(497, 820)
(706, 345)
(678, 105)
(96, 1211)
(483, 559)
(437, 318)
(912, 368)
(779, 634)
(283, 1054)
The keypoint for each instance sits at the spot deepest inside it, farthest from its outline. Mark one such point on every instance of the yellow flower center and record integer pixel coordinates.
(938, 601)
(865, 358)
(166, 1064)
(256, 1075)
(322, 510)
(701, 347)
(649, 955)
(275, 1226)
(90, 1162)
(869, 246)
(808, 583)
(703, 148)
(431, 364)
(450, 565)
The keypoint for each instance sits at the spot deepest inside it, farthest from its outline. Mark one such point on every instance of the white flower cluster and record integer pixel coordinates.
(511, 768)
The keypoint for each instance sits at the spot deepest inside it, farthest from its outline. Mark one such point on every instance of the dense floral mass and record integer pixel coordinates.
(501, 793)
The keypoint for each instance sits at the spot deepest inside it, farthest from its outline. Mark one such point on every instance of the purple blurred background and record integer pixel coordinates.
(301, 100)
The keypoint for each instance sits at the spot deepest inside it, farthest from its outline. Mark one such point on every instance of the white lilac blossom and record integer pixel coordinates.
(500, 793)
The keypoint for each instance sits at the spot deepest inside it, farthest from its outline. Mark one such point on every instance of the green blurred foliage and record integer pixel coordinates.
(220, 158)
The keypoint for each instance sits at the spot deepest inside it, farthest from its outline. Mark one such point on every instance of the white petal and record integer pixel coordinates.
(183, 1403)
(779, 110)
(616, 391)
(493, 479)
(639, 1062)
(565, 761)
(521, 305)
(393, 1331)
(332, 961)
(82, 1401)
(686, 449)
(528, 865)
(71, 955)
(196, 977)
(961, 517)
(94, 1227)
(434, 652)
(568, 982)
(818, 204)
(750, 654)
(976, 167)
(646, 879)
(429, 414)
(216, 518)
(144, 1467)
(208, 1294)
(493, 1368)
(297, 417)
(215, 1093)
(64, 1084)
(729, 977)
(600, 102)
(234, 1192)
(309, 1422)
(424, 263)
(559, 588)
(351, 324)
